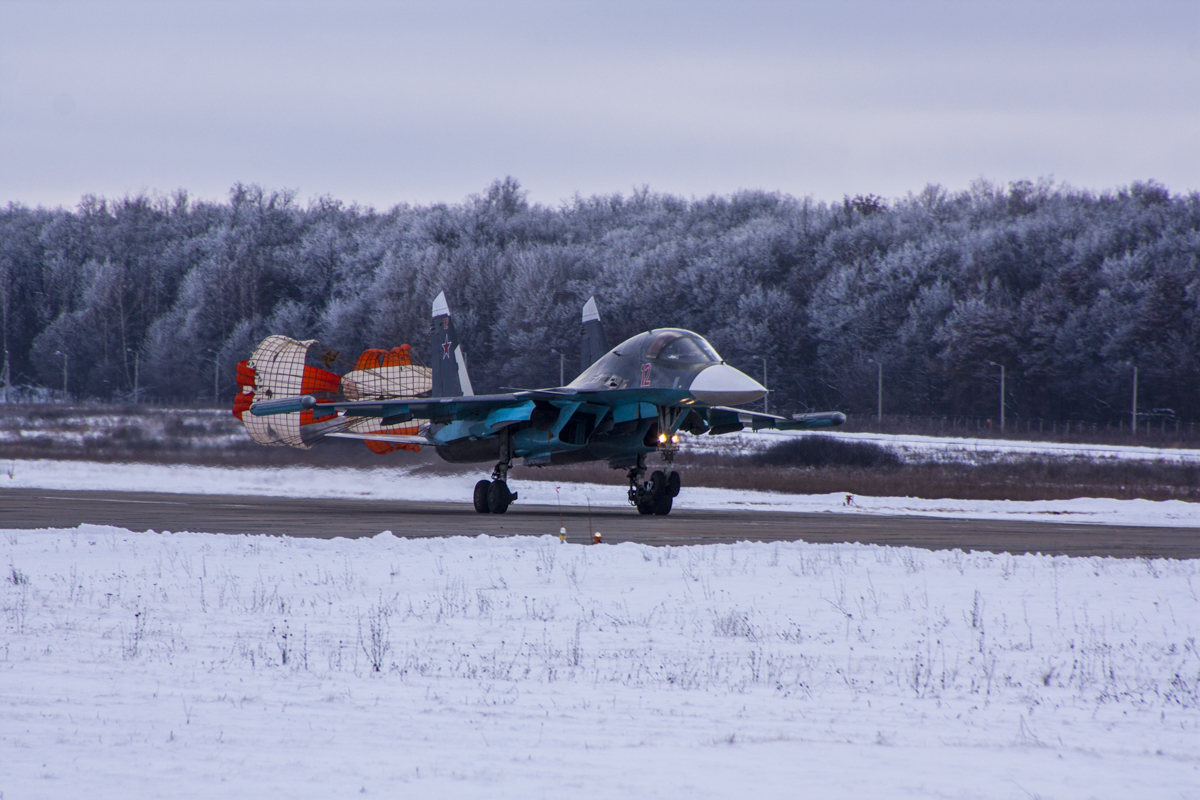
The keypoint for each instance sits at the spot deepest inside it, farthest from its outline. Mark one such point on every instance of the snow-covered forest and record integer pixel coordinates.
(1067, 289)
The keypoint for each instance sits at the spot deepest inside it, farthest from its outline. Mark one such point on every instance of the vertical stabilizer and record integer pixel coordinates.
(593, 343)
(449, 366)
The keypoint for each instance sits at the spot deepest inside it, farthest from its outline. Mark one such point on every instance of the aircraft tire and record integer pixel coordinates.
(673, 484)
(498, 497)
(658, 483)
(481, 497)
(662, 504)
(645, 507)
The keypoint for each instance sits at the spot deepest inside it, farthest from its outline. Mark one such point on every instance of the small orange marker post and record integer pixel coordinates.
(597, 538)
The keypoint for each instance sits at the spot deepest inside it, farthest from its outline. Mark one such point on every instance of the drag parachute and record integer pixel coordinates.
(282, 367)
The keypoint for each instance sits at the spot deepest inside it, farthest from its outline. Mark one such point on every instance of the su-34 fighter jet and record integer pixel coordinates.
(629, 402)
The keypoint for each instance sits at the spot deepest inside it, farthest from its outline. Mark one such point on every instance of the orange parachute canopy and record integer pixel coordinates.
(376, 358)
(245, 395)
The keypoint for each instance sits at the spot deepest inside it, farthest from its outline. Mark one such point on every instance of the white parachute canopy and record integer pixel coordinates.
(284, 367)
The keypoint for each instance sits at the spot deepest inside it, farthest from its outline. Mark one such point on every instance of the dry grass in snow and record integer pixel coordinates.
(195, 665)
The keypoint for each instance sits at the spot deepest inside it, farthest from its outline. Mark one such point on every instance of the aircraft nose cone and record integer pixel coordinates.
(722, 385)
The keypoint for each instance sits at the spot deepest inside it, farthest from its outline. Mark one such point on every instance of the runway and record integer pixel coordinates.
(141, 511)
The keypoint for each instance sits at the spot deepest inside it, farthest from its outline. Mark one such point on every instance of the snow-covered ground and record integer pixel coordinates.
(193, 665)
(948, 448)
(401, 484)
(151, 430)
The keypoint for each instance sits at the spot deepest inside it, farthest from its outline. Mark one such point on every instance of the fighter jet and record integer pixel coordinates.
(628, 402)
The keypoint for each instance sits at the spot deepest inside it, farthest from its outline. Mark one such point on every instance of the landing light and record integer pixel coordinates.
(662, 438)
(675, 439)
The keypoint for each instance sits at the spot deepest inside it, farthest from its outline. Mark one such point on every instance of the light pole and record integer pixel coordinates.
(562, 380)
(879, 412)
(64, 358)
(1133, 422)
(1001, 366)
(764, 360)
(216, 378)
(135, 373)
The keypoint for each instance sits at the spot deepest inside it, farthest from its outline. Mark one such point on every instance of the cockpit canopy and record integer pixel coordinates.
(667, 348)
(680, 347)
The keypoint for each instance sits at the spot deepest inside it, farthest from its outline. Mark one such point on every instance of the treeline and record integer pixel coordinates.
(1067, 289)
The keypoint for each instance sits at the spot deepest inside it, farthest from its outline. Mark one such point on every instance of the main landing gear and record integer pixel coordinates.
(493, 497)
(654, 496)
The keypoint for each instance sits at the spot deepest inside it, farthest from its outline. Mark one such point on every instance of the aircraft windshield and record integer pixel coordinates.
(678, 348)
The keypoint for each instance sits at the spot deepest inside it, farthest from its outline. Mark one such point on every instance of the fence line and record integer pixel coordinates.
(1157, 431)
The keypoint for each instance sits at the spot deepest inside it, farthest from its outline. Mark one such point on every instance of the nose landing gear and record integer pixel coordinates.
(654, 496)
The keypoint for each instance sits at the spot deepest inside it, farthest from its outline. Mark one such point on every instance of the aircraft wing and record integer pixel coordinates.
(463, 414)
(435, 409)
(722, 419)
(483, 414)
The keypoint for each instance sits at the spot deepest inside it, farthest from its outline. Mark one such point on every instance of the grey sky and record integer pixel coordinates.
(386, 102)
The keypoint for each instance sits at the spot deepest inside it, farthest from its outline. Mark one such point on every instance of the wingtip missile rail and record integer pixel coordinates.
(284, 405)
(825, 419)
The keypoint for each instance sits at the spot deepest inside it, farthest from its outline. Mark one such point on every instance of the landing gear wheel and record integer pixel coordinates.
(656, 497)
(498, 497)
(481, 497)
(662, 504)
(673, 484)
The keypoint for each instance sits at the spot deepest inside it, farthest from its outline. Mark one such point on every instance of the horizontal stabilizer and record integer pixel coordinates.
(722, 419)
(392, 438)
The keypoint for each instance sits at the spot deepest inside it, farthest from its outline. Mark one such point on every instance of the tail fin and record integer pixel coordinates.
(446, 357)
(592, 344)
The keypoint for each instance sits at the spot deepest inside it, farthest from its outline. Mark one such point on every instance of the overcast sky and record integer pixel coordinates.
(387, 102)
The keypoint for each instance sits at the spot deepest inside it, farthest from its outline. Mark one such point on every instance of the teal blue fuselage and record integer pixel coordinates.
(621, 426)
(610, 412)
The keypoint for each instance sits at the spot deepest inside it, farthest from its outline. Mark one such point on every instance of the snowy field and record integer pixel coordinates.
(193, 665)
(397, 483)
(83, 426)
(951, 449)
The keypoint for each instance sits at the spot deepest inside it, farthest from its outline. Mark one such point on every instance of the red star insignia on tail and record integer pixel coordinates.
(446, 349)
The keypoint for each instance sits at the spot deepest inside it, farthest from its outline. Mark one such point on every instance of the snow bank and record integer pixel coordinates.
(192, 665)
(401, 484)
(963, 449)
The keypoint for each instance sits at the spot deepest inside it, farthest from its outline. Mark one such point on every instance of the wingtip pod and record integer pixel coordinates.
(824, 419)
(284, 405)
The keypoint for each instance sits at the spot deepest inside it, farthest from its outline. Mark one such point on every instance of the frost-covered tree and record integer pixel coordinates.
(1068, 289)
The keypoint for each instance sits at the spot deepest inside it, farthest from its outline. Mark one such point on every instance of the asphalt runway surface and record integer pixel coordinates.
(141, 511)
